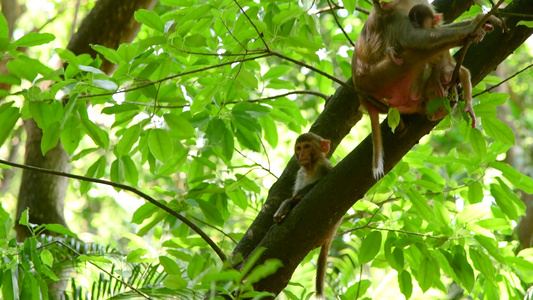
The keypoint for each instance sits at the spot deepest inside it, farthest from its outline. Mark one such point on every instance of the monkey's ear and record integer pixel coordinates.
(437, 18)
(324, 146)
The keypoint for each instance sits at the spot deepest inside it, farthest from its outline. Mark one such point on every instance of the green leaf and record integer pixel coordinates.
(58, 228)
(116, 109)
(525, 23)
(128, 139)
(47, 257)
(96, 170)
(286, 15)
(370, 247)
(503, 201)
(393, 118)
(136, 256)
(204, 97)
(228, 144)
(144, 212)
(426, 273)
(91, 70)
(406, 284)
(10, 286)
(109, 54)
(50, 137)
(247, 79)
(131, 174)
(160, 144)
(278, 71)
(24, 218)
(9, 117)
(477, 142)
(262, 271)
(211, 212)
(420, 204)
(179, 126)
(71, 134)
(22, 69)
(248, 138)
(150, 19)
(117, 171)
(495, 224)
(516, 178)
(482, 263)
(34, 39)
(472, 213)
(106, 84)
(98, 135)
(475, 193)
(270, 130)
(4, 30)
(175, 282)
(170, 266)
(499, 131)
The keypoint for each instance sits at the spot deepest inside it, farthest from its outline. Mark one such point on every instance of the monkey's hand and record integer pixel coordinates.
(470, 111)
(283, 210)
(394, 56)
(485, 27)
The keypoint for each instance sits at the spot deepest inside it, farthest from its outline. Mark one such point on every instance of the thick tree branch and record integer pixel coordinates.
(309, 221)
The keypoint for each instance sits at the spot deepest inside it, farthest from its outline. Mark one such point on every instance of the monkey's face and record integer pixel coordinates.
(305, 153)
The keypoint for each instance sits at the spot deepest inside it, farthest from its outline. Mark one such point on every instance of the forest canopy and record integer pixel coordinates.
(145, 146)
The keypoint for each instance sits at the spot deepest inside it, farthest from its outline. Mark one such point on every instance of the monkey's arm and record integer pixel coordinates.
(288, 204)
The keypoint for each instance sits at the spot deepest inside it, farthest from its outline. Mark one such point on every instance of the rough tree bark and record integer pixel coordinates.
(310, 221)
(109, 23)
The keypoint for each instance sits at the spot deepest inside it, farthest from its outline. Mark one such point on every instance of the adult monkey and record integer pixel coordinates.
(377, 75)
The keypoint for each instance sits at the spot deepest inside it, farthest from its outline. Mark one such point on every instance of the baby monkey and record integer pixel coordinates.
(310, 150)
(423, 16)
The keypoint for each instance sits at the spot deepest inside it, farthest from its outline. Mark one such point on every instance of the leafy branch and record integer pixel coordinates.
(167, 209)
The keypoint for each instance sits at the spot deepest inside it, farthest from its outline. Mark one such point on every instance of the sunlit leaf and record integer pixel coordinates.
(426, 273)
(34, 39)
(160, 144)
(370, 247)
(150, 19)
(499, 131)
(98, 135)
(128, 139)
(9, 117)
(50, 137)
(406, 284)
(58, 228)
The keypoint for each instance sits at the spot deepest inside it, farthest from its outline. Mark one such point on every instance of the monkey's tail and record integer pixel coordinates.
(321, 268)
(377, 159)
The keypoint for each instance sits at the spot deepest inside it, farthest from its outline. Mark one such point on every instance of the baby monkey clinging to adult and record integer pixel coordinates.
(310, 151)
(402, 83)
(442, 66)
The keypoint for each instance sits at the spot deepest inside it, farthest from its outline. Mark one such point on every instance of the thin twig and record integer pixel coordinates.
(468, 41)
(339, 24)
(167, 209)
(505, 80)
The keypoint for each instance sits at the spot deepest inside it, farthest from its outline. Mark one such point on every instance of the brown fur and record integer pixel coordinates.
(375, 73)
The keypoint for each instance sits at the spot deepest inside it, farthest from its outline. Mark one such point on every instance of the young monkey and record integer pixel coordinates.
(443, 66)
(310, 150)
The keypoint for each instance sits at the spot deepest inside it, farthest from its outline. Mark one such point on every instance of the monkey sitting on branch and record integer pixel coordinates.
(310, 151)
(402, 83)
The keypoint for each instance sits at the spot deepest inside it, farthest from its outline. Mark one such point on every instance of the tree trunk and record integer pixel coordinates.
(44, 194)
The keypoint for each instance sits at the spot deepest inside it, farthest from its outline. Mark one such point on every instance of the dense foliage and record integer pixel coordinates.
(200, 113)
